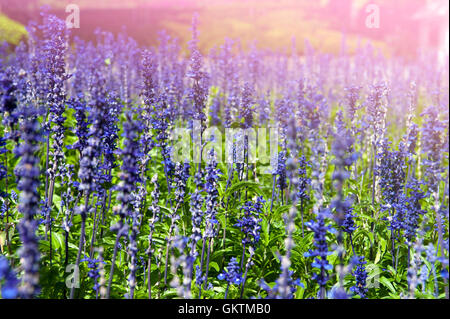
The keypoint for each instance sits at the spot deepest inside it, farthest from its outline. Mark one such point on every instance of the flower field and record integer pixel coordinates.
(157, 172)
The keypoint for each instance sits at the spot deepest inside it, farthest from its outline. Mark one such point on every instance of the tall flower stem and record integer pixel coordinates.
(169, 240)
(8, 243)
(301, 214)
(156, 210)
(104, 212)
(114, 257)
(274, 177)
(205, 285)
(202, 256)
(243, 257)
(393, 245)
(226, 291)
(27, 171)
(149, 271)
(81, 243)
(247, 266)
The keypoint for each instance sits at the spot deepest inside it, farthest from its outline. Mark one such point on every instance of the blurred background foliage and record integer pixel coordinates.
(10, 30)
(406, 26)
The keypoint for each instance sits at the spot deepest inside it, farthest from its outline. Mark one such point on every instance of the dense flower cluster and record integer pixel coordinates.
(211, 184)
(90, 175)
(232, 273)
(360, 277)
(94, 273)
(9, 277)
(249, 223)
(28, 173)
(321, 252)
(390, 169)
(304, 180)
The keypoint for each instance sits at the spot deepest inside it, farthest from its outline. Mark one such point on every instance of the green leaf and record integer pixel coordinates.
(387, 284)
(251, 186)
(165, 209)
(44, 245)
(169, 294)
(57, 241)
(214, 265)
(281, 210)
(73, 246)
(2, 240)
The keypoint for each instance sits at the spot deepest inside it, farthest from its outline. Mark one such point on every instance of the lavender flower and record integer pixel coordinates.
(277, 292)
(360, 274)
(412, 207)
(214, 110)
(79, 105)
(198, 90)
(211, 179)
(246, 109)
(211, 203)
(232, 275)
(27, 172)
(8, 102)
(94, 273)
(129, 178)
(304, 180)
(249, 223)
(196, 209)
(3, 168)
(391, 172)
(352, 96)
(303, 184)
(9, 287)
(348, 224)
(281, 172)
(432, 132)
(377, 110)
(321, 252)
(155, 210)
(181, 176)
